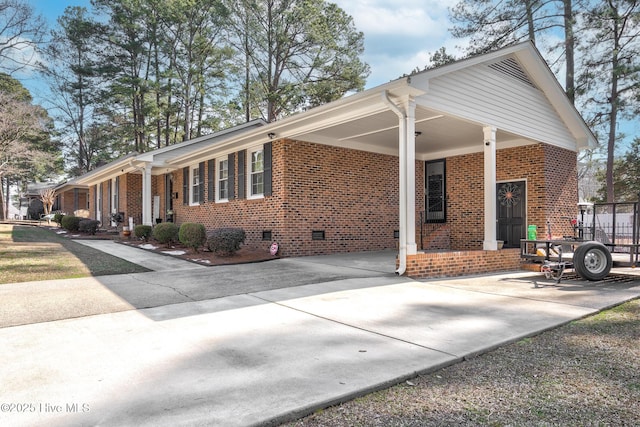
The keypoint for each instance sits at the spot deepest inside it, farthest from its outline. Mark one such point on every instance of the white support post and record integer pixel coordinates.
(410, 171)
(146, 195)
(490, 242)
(402, 196)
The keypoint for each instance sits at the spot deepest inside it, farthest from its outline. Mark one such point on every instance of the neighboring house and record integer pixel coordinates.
(458, 158)
(30, 203)
(72, 198)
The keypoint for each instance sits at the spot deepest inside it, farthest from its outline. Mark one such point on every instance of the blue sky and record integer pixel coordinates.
(398, 35)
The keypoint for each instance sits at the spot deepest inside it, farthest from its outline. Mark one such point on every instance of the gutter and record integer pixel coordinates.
(138, 168)
(402, 267)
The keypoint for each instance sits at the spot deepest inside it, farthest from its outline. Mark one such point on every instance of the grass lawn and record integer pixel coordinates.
(29, 253)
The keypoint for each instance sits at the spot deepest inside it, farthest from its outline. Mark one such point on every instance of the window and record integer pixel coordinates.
(223, 180)
(256, 172)
(195, 186)
(435, 191)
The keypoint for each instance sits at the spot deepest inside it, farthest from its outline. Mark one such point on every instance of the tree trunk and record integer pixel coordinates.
(569, 43)
(530, 24)
(4, 207)
(611, 142)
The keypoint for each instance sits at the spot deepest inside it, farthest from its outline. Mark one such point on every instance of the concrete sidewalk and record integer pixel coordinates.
(148, 259)
(258, 344)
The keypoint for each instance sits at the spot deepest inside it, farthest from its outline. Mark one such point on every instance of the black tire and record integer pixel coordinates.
(592, 261)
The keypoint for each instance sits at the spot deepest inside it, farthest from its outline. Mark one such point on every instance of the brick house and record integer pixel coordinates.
(72, 198)
(454, 159)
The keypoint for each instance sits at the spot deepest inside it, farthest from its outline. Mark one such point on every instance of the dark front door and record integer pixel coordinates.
(511, 212)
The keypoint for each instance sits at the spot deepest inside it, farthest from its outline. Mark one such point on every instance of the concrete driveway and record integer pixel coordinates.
(257, 344)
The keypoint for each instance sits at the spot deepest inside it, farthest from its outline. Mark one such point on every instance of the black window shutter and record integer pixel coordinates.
(231, 181)
(185, 186)
(211, 188)
(267, 169)
(241, 168)
(201, 183)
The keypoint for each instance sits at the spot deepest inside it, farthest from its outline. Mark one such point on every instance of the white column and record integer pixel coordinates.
(146, 195)
(490, 215)
(402, 207)
(410, 172)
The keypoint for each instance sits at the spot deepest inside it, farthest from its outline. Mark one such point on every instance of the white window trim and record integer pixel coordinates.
(250, 152)
(191, 192)
(217, 177)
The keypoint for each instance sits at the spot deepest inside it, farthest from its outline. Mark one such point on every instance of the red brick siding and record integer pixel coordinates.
(67, 203)
(551, 177)
(561, 181)
(351, 195)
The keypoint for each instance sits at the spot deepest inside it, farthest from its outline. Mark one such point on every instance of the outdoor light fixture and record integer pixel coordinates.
(271, 135)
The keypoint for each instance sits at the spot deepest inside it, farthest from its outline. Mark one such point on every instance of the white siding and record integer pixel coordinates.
(487, 96)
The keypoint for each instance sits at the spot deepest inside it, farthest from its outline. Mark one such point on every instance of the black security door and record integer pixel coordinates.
(511, 212)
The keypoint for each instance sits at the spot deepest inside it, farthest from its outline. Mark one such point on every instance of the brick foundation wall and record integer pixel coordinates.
(461, 263)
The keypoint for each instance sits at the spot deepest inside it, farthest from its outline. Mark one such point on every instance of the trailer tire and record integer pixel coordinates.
(592, 261)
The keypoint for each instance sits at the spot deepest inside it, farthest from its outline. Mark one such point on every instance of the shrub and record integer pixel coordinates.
(142, 231)
(57, 218)
(88, 226)
(166, 233)
(192, 235)
(225, 241)
(71, 223)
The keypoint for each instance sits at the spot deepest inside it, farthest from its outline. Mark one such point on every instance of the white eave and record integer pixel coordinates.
(108, 171)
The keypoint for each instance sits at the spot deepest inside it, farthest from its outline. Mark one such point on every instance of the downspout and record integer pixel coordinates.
(402, 153)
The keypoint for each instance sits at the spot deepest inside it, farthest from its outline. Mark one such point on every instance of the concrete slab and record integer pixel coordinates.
(445, 319)
(258, 343)
(534, 286)
(148, 259)
(31, 302)
(381, 261)
(238, 362)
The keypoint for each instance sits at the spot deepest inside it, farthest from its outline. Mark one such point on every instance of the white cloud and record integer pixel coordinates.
(399, 38)
(383, 18)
